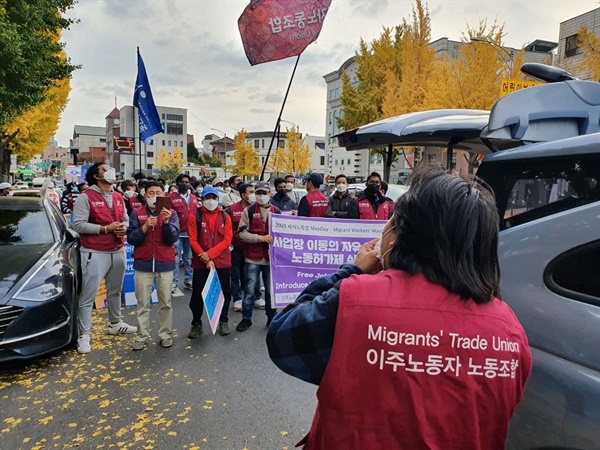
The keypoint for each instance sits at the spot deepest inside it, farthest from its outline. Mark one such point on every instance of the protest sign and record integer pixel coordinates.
(213, 298)
(307, 248)
(129, 280)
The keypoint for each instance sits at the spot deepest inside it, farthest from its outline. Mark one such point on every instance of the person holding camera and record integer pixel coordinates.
(153, 231)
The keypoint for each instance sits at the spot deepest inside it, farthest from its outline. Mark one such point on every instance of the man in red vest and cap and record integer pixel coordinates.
(210, 237)
(410, 345)
(101, 220)
(313, 204)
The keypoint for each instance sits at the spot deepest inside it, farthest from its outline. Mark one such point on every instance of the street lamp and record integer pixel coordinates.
(497, 47)
(224, 140)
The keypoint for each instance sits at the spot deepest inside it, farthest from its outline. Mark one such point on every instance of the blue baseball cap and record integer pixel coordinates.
(209, 190)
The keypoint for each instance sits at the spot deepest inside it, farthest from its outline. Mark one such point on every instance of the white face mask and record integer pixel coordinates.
(143, 191)
(151, 202)
(10, 193)
(262, 199)
(129, 194)
(252, 199)
(289, 187)
(110, 175)
(210, 204)
(341, 188)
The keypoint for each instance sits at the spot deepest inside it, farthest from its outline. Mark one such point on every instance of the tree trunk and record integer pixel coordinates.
(5, 140)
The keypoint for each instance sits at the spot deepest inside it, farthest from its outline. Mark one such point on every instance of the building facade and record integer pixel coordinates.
(89, 142)
(569, 54)
(174, 121)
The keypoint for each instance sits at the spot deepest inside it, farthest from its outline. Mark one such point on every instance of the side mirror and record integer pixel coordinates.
(71, 235)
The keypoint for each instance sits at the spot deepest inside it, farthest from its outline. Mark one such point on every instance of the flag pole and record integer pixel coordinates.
(138, 113)
(278, 123)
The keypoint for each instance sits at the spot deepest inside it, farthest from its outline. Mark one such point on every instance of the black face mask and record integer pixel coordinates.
(183, 187)
(373, 189)
(280, 192)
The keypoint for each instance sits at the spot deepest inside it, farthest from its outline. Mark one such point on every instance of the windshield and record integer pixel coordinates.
(20, 226)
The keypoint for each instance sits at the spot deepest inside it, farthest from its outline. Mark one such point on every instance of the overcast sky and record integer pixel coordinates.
(195, 59)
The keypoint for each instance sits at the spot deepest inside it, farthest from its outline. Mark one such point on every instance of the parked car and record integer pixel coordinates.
(542, 147)
(39, 269)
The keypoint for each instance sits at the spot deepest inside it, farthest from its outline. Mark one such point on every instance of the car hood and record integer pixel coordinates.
(15, 262)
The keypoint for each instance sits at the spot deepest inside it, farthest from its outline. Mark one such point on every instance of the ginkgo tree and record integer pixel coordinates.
(31, 61)
(36, 126)
(294, 158)
(589, 43)
(245, 157)
(170, 164)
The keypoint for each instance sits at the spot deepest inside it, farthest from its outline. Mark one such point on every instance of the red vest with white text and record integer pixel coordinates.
(135, 203)
(317, 204)
(257, 252)
(182, 209)
(100, 214)
(236, 210)
(366, 211)
(415, 367)
(207, 240)
(154, 246)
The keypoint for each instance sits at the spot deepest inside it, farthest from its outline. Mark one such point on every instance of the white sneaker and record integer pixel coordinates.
(260, 303)
(237, 305)
(83, 344)
(121, 328)
(174, 288)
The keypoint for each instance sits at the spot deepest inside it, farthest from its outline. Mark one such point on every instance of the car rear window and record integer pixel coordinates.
(20, 226)
(530, 189)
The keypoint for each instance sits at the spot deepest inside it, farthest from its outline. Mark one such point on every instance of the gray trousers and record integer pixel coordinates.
(96, 266)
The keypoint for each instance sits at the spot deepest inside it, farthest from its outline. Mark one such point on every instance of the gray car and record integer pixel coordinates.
(542, 148)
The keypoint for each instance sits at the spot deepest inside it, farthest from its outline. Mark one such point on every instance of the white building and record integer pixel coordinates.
(174, 121)
(317, 145)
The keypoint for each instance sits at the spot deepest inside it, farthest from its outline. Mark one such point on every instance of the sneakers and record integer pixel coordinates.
(195, 332)
(83, 344)
(166, 343)
(237, 305)
(139, 344)
(120, 328)
(174, 288)
(187, 284)
(244, 325)
(260, 303)
(224, 328)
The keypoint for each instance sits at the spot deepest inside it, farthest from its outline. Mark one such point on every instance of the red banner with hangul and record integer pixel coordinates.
(277, 29)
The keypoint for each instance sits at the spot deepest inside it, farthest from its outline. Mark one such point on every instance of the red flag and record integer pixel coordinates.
(278, 29)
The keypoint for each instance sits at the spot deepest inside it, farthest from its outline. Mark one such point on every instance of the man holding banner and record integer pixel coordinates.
(153, 233)
(210, 234)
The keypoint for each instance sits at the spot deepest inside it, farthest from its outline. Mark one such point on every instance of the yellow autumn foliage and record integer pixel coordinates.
(170, 164)
(245, 157)
(295, 157)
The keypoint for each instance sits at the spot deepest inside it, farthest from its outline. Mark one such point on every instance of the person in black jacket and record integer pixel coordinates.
(281, 199)
(341, 200)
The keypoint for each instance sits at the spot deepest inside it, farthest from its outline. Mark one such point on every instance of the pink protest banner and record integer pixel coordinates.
(277, 29)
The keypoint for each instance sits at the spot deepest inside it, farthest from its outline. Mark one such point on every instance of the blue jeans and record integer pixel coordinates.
(253, 271)
(182, 247)
(238, 277)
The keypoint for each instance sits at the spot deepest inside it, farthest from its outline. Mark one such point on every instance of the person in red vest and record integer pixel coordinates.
(370, 203)
(254, 231)
(415, 333)
(153, 233)
(101, 220)
(313, 204)
(210, 237)
(131, 196)
(185, 204)
(238, 262)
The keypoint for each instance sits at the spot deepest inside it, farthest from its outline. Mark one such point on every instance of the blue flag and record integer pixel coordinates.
(150, 123)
